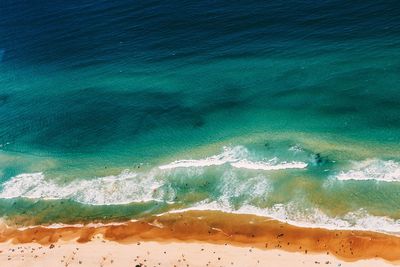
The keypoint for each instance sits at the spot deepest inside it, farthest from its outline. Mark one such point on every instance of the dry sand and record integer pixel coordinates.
(100, 252)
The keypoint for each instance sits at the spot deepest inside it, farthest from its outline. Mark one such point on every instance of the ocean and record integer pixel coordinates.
(112, 111)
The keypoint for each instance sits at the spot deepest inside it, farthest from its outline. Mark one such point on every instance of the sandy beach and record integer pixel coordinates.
(100, 252)
(195, 238)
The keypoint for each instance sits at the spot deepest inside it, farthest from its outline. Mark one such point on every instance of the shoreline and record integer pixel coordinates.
(257, 213)
(218, 228)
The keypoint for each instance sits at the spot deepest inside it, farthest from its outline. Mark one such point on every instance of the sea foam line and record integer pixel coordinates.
(76, 225)
(245, 164)
(237, 158)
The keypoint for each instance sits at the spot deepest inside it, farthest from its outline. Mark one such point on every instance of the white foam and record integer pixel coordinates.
(124, 188)
(228, 155)
(296, 149)
(77, 225)
(268, 166)
(237, 158)
(192, 163)
(250, 189)
(372, 169)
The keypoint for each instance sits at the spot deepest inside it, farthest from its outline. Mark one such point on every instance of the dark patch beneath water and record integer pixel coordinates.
(93, 117)
(229, 97)
(4, 98)
(89, 118)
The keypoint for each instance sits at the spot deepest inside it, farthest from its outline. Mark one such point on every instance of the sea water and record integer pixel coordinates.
(286, 109)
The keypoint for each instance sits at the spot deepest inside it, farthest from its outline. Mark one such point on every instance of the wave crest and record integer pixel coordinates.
(236, 157)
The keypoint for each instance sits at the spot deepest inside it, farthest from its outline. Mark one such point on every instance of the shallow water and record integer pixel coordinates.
(118, 110)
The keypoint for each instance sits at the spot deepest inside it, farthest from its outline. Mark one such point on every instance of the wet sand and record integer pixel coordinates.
(231, 236)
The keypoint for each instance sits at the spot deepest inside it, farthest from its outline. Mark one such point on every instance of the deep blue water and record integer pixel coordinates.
(91, 88)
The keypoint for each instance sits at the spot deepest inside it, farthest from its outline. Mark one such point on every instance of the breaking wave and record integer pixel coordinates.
(236, 157)
(126, 187)
(232, 190)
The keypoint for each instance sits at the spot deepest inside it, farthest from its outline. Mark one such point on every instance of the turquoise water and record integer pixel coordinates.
(116, 111)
